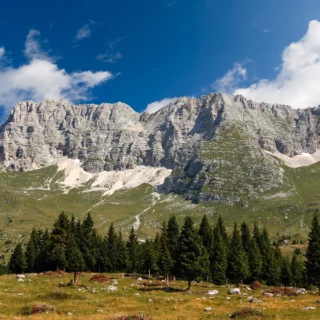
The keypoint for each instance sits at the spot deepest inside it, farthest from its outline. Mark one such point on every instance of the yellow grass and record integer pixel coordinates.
(89, 300)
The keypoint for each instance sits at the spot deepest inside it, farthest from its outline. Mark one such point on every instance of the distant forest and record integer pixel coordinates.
(205, 253)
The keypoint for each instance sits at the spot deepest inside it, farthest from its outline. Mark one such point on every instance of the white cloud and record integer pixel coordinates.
(231, 80)
(266, 30)
(170, 4)
(83, 32)
(2, 52)
(40, 78)
(111, 55)
(297, 82)
(157, 105)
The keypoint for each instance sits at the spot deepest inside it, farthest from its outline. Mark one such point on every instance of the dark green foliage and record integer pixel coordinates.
(133, 252)
(149, 258)
(173, 238)
(58, 257)
(285, 271)
(112, 254)
(17, 263)
(165, 261)
(192, 256)
(205, 233)
(313, 253)
(75, 259)
(255, 261)
(60, 231)
(238, 267)
(218, 259)
(245, 237)
(297, 271)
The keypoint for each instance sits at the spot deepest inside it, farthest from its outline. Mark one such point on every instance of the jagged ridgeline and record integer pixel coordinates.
(216, 154)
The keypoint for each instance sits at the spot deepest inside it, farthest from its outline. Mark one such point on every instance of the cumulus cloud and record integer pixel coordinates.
(2, 52)
(266, 30)
(231, 80)
(298, 78)
(157, 105)
(112, 55)
(41, 78)
(83, 32)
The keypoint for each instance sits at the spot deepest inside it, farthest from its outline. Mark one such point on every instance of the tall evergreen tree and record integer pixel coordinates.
(246, 237)
(218, 259)
(112, 243)
(272, 269)
(32, 251)
(297, 271)
(192, 257)
(149, 262)
(255, 261)
(238, 267)
(58, 256)
(285, 271)
(75, 259)
(133, 251)
(205, 233)
(223, 231)
(313, 253)
(17, 263)
(165, 261)
(173, 238)
(122, 254)
(60, 231)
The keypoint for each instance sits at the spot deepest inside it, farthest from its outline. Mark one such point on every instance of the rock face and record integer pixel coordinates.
(215, 145)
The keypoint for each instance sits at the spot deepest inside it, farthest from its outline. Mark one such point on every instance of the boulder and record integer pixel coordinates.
(234, 291)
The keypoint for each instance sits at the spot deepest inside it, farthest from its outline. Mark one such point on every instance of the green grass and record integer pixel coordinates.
(92, 300)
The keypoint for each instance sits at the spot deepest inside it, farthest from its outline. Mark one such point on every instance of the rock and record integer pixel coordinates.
(114, 142)
(309, 308)
(139, 279)
(20, 280)
(112, 288)
(301, 291)
(254, 300)
(256, 285)
(20, 276)
(115, 282)
(150, 301)
(213, 292)
(208, 309)
(268, 294)
(234, 291)
(69, 313)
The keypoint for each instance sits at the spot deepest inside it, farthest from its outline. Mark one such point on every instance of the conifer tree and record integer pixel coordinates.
(272, 269)
(31, 251)
(58, 257)
(133, 251)
(255, 261)
(313, 253)
(192, 257)
(205, 233)
(165, 261)
(42, 262)
(112, 243)
(222, 229)
(75, 259)
(122, 254)
(297, 271)
(218, 259)
(149, 262)
(238, 267)
(60, 231)
(285, 271)
(246, 237)
(17, 263)
(173, 238)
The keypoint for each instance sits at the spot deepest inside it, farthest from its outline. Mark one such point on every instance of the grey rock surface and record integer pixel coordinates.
(215, 144)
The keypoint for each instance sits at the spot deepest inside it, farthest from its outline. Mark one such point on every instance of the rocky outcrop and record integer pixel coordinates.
(214, 145)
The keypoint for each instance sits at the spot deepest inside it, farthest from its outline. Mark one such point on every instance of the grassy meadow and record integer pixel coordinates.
(147, 299)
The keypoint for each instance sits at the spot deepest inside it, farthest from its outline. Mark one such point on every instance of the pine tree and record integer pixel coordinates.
(285, 271)
(60, 231)
(42, 262)
(122, 254)
(272, 271)
(246, 237)
(313, 253)
(173, 238)
(133, 251)
(255, 261)
(165, 261)
(31, 254)
(58, 257)
(149, 262)
(75, 259)
(222, 229)
(218, 259)
(205, 233)
(17, 263)
(238, 267)
(112, 243)
(192, 256)
(297, 271)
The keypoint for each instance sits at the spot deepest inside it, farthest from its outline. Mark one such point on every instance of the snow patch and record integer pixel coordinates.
(301, 160)
(109, 181)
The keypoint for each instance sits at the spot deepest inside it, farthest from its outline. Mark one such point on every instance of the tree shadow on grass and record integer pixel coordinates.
(164, 289)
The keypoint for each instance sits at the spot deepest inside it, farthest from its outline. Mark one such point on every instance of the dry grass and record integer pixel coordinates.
(91, 300)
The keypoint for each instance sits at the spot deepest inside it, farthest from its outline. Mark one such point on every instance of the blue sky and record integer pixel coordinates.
(149, 50)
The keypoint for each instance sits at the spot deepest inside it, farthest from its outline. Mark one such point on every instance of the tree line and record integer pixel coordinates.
(204, 253)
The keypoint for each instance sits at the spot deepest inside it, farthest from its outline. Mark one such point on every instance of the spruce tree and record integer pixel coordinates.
(238, 267)
(31, 253)
(272, 271)
(218, 259)
(112, 243)
(17, 263)
(205, 233)
(58, 257)
(173, 238)
(60, 231)
(246, 237)
(192, 256)
(75, 259)
(122, 254)
(222, 229)
(313, 253)
(255, 261)
(285, 271)
(165, 261)
(149, 262)
(133, 251)
(297, 271)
